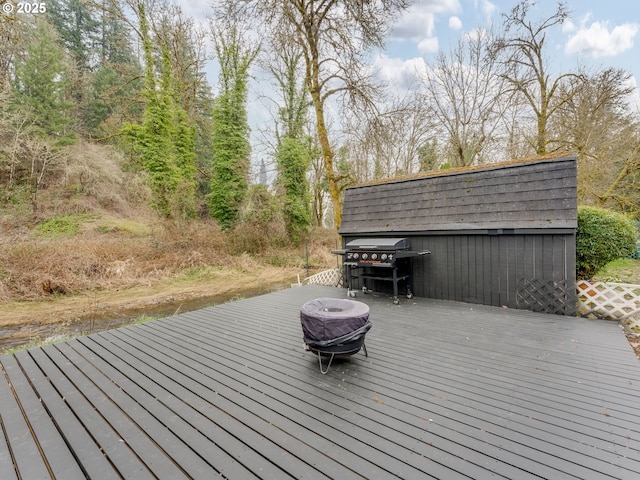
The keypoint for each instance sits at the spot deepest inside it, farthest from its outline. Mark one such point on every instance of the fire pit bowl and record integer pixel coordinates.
(334, 327)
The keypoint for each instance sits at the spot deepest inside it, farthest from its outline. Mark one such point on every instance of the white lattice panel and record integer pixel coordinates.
(329, 278)
(613, 301)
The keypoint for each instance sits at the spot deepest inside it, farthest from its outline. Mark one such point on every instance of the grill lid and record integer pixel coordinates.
(379, 244)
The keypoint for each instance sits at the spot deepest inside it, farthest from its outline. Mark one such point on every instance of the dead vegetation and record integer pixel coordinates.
(91, 242)
(127, 261)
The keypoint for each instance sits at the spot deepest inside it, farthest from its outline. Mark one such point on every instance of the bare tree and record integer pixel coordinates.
(598, 124)
(389, 144)
(522, 51)
(467, 98)
(332, 35)
(44, 159)
(186, 43)
(26, 159)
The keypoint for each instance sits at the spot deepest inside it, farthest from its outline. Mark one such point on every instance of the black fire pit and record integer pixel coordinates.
(334, 327)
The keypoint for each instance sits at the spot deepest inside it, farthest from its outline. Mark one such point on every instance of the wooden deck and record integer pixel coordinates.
(449, 390)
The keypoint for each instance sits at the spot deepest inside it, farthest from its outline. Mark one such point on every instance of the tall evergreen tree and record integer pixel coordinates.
(42, 79)
(230, 132)
(78, 30)
(115, 85)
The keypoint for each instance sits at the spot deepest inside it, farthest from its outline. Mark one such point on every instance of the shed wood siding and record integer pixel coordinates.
(501, 236)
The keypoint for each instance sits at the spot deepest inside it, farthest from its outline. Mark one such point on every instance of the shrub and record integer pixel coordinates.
(602, 236)
(61, 225)
(261, 223)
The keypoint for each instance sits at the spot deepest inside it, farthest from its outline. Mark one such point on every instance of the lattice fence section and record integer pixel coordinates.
(546, 296)
(613, 301)
(328, 278)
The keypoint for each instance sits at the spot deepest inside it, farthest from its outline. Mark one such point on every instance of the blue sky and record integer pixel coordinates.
(599, 33)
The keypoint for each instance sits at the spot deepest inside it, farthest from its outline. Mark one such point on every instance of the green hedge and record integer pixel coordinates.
(602, 236)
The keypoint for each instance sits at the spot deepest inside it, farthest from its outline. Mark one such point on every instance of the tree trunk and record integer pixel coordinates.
(327, 156)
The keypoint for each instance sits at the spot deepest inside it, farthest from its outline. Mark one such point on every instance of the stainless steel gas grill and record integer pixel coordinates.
(378, 259)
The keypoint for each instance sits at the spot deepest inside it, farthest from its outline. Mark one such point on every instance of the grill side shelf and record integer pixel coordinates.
(388, 278)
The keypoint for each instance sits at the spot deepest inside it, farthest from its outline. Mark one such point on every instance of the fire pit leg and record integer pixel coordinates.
(324, 372)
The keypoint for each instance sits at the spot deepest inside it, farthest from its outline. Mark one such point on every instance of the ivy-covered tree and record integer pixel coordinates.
(230, 133)
(182, 134)
(165, 139)
(293, 156)
(186, 41)
(293, 164)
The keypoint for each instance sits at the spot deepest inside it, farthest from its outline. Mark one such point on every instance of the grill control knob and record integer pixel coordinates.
(374, 256)
(356, 256)
(365, 256)
(391, 257)
(384, 256)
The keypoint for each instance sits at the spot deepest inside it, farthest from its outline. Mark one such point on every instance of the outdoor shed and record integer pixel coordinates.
(502, 234)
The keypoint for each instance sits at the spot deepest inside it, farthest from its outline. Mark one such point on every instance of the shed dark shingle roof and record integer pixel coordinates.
(533, 194)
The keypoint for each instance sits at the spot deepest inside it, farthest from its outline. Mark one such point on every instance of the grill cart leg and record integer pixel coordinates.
(350, 292)
(395, 286)
(409, 293)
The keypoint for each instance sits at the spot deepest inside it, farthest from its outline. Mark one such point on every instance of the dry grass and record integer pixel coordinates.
(91, 245)
(122, 263)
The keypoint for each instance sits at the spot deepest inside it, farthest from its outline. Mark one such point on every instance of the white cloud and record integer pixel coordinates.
(418, 21)
(597, 40)
(487, 8)
(428, 45)
(400, 73)
(197, 9)
(568, 26)
(455, 23)
(417, 24)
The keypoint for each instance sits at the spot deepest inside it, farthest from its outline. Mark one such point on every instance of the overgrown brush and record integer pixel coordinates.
(35, 267)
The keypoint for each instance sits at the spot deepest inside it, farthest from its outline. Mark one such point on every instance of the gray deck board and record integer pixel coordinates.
(449, 390)
(18, 436)
(58, 458)
(77, 437)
